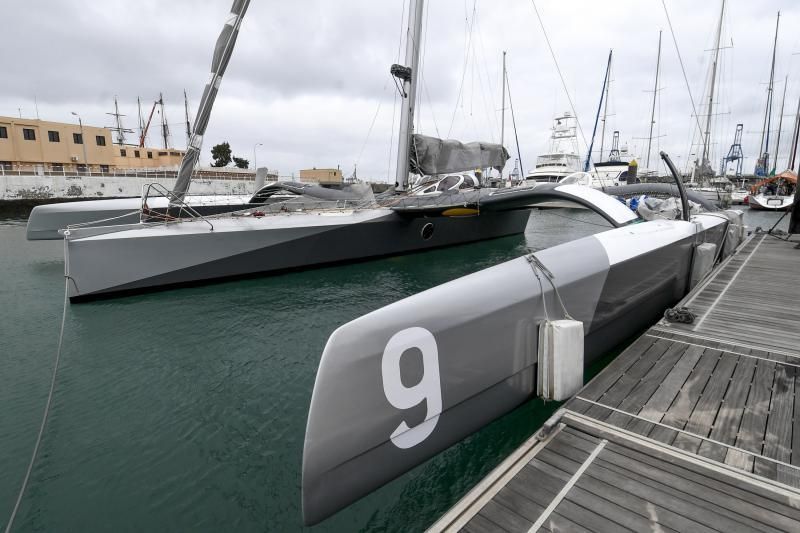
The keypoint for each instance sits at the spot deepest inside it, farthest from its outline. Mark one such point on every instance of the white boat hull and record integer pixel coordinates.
(767, 202)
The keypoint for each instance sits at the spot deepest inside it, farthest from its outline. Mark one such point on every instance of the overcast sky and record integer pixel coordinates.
(309, 77)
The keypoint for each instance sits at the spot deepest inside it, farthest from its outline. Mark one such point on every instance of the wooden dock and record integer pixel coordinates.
(694, 427)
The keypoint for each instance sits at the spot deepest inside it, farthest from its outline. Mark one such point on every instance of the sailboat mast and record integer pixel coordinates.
(222, 55)
(707, 133)
(409, 76)
(653, 111)
(795, 134)
(768, 111)
(605, 106)
(780, 121)
(186, 111)
(588, 161)
(503, 103)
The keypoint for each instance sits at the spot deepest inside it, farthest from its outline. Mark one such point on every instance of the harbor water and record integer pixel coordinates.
(185, 410)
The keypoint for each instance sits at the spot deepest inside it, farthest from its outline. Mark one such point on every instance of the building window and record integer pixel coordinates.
(162, 153)
(5, 165)
(53, 137)
(136, 153)
(101, 141)
(82, 168)
(104, 168)
(123, 153)
(28, 134)
(149, 155)
(3, 132)
(175, 154)
(77, 138)
(57, 167)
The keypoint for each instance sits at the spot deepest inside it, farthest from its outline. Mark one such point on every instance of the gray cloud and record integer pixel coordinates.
(308, 77)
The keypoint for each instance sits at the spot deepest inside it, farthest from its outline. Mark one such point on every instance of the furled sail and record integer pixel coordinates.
(430, 155)
(222, 54)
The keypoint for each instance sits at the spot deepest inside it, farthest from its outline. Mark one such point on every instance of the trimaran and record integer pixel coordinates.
(300, 233)
(308, 231)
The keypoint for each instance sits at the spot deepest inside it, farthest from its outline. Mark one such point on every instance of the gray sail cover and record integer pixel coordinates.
(430, 155)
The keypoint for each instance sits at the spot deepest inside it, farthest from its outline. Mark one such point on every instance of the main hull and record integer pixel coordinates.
(145, 257)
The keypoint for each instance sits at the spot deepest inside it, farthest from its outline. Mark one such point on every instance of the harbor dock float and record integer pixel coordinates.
(694, 427)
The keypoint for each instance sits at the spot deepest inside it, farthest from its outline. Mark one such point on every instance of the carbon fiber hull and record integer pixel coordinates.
(146, 258)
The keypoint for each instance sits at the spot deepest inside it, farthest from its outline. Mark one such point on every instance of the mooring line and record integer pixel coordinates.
(35, 453)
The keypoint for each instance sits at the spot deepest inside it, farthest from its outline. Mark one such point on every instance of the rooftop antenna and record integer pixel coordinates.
(36, 106)
(164, 125)
(118, 121)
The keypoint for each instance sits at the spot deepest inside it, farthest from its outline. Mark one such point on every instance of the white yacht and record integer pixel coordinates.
(562, 159)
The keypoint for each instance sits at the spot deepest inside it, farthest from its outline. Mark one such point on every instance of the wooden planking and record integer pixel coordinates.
(726, 426)
(708, 405)
(630, 379)
(778, 437)
(754, 420)
(681, 408)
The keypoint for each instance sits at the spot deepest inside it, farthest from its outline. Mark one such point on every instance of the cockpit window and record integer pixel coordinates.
(448, 183)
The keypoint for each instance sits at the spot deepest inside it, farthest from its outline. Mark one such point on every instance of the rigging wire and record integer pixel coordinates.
(561, 76)
(514, 122)
(683, 69)
(471, 25)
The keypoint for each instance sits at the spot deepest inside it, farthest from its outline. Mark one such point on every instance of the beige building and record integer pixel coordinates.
(41, 146)
(322, 175)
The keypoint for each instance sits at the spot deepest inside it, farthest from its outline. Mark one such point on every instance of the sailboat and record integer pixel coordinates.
(703, 180)
(304, 232)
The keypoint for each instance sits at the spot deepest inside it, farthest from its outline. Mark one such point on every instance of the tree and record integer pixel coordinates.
(241, 162)
(221, 154)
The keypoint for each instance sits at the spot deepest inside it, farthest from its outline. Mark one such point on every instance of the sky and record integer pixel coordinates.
(309, 86)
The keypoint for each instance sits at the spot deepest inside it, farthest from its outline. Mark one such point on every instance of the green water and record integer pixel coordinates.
(185, 410)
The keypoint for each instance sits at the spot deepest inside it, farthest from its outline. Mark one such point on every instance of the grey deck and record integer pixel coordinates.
(693, 427)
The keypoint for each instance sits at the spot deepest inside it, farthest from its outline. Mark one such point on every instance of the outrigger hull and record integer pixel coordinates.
(400, 384)
(154, 256)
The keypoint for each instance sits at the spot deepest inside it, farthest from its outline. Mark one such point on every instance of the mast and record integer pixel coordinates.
(164, 125)
(141, 121)
(408, 75)
(605, 109)
(768, 111)
(780, 121)
(503, 103)
(118, 121)
(707, 133)
(795, 134)
(188, 125)
(653, 110)
(597, 117)
(222, 55)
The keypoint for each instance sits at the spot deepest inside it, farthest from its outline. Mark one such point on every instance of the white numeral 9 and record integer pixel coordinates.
(428, 389)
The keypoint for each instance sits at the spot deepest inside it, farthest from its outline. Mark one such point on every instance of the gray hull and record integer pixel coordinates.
(189, 252)
(478, 339)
